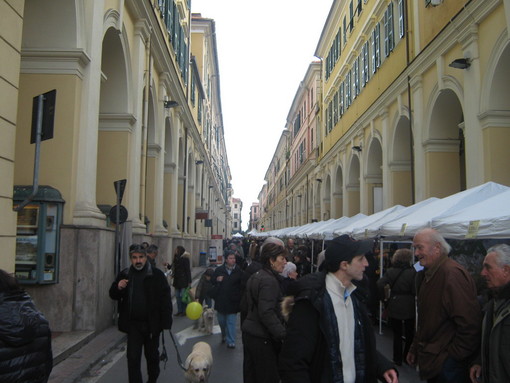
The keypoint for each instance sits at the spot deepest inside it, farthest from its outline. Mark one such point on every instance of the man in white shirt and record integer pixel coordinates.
(329, 333)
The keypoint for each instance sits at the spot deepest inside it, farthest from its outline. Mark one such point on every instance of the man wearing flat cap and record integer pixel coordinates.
(329, 334)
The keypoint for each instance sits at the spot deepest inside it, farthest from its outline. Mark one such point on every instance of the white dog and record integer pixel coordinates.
(199, 363)
(206, 321)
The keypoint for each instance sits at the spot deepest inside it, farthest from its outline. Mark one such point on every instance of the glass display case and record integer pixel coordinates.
(37, 235)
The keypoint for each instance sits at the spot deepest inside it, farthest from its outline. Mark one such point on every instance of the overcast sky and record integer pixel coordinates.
(264, 49)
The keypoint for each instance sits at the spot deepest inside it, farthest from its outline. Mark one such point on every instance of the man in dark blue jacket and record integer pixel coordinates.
(226, 293)
(329, 337)
(145, 309)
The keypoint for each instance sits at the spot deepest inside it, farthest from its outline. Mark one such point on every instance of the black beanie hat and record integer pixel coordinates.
(344, 248)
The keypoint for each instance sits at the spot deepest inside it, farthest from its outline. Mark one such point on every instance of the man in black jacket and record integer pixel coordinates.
(329, 336)
(226, 293)
(145, 309)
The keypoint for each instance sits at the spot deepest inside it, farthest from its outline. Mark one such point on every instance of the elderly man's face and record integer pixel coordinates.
(495, 275)
(425, 249)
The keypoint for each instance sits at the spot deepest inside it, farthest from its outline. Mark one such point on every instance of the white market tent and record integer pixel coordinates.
(259, 234)
(302, 229)
(328, 232)
(489, 218)
(317, 227)
(372, 230)
(361, 224)
(421, 218)
(451, 216)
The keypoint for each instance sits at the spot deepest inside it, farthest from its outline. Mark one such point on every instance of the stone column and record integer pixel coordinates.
(140, 61)
(420, 188)
(174, 192)
(85, 168)
(386, 173)
(472, 91)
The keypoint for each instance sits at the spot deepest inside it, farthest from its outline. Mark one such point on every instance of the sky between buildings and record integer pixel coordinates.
(264, 49)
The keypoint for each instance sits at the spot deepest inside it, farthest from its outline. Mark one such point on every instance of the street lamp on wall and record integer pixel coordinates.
(199, 162)
(357, 148)
(462, 63)
(170, 104)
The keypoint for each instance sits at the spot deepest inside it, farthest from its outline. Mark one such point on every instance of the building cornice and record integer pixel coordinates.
(54, 61)
(116, 122)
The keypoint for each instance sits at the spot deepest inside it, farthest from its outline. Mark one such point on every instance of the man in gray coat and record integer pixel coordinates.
(493, 365)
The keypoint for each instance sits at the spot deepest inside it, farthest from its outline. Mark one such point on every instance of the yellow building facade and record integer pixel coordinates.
(414, 102)
(137, 113)
(11, 27)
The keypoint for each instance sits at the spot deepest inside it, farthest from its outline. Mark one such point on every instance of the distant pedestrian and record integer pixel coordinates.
(25, 336)
(204, 287)
(152, 253)
(303, 265)
(449, 315)
(227, 297)
(400, 278)
(254, 250)
(145, 309)
(182, 277)
(291, 249)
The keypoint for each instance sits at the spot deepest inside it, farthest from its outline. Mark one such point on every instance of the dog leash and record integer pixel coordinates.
(163, 357)
(179, 360)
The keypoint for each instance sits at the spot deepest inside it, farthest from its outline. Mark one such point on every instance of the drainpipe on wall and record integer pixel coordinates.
(409, 100)
(145, 130)
(185, 185)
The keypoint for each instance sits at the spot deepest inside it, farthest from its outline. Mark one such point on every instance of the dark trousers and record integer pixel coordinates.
(452, 371)
(260, 364)
(401, 327)
(138, 337)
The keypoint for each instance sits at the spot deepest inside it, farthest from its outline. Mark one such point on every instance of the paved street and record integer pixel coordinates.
(227, 362)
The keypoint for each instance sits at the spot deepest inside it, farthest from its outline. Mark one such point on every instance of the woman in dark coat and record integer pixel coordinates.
(263, 329)
(401, 303)
(25, 336)
(303, 265)
(182, 278)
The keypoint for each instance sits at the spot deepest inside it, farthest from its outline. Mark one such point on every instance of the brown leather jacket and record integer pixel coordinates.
(449, 317)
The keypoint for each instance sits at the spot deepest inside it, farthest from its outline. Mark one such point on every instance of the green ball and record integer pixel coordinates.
(194, 310)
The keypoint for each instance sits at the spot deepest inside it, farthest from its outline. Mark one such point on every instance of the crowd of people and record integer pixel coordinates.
(304, 317)
(306, 321)
(307, 315)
